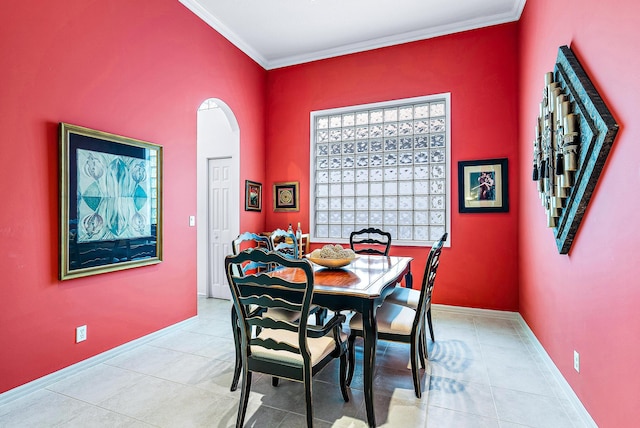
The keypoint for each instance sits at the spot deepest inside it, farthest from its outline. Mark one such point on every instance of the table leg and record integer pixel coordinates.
(370, 333)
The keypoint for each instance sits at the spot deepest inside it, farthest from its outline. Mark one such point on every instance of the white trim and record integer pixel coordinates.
(571, 396)
(50, 379)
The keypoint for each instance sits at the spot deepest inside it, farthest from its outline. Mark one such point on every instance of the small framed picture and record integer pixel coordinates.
(286, 196)
(253, 196)
(483, 186)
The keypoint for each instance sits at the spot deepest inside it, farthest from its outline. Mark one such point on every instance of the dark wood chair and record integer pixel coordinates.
(399, 323)
(370, 241)
(282, 349)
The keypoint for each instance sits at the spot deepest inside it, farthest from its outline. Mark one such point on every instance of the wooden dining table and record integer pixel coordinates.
(361, 286)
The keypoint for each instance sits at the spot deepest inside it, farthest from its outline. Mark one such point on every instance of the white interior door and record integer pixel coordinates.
(220, 233)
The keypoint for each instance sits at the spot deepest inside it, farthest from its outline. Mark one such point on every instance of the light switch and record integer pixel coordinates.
(192, 220)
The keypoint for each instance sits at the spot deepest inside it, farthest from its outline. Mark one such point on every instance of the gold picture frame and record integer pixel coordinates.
(286, 196)
(252, 196)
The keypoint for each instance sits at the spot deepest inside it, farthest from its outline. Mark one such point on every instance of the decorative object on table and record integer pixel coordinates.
(110, 202)
(370, 241)
(253, 196)
(286, 196)
(483, 186)
(573, 136)
(332, 256)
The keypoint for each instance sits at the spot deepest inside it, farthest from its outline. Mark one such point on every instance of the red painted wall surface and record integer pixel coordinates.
(588, 300)
(138, 69)
(479, 69)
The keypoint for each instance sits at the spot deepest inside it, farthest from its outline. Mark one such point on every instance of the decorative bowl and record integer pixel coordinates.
(330, 263)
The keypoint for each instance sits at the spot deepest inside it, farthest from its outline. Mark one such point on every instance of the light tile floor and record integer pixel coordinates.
(483, 371)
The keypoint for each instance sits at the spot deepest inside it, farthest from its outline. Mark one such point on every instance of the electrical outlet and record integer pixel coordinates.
(192, 220)
(81, 333)
(576, 361)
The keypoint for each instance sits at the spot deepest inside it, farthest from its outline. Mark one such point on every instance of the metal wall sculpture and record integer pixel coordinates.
(574, 134)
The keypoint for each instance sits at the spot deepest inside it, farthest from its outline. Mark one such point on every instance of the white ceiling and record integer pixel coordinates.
(277, 33)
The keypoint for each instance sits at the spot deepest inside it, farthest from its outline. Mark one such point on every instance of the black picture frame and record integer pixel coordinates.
(483, 186)
(110, 202)
(252, 196)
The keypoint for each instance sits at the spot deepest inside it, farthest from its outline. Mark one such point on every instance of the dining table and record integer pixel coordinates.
(360, 286)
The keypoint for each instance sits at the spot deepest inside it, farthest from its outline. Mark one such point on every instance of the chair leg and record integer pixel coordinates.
(274, 381)
(308, 397)
(236, 340)
(352, 357)
(415, 372)
(433, 339)
(421, 349)
(244, 398)
(321, 316)
(343, 377)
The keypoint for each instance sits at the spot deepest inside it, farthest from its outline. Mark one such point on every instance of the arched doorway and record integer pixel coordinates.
(218, 193)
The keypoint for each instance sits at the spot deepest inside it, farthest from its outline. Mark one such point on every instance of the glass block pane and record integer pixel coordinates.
(322, 190)
(421, 111)
(390, 188)
(348, 148)
(335, 121)
(437, 155)
(375, 202)
(375, 131)
(335, 135)
(348, 162)
(322, 231)
(437, 202)
(362, 217)
(390, 217)
(406, 143)
(390, 144)
(421, 127)
(405, 202)
(322, 149)
(362, 188)
(404, 233)
(349, 203)
(362, 118)
(348, 217)
(421, 157)
(437, 171)
(390, 202)
(375, 116)
(436, 217)
(348, 119)
(437, 186)
(390, 130)
(322, 137)
(375, 146)
(421, 233)
(323, 217)
(362, 146)
(437, 109)
(335, 203)
(390, 174)
(362, 161)
(421, 173)
(421, 203)
(346, 230)
(405, 218)
(375, 160)
(348, 189)
(421, 187)
(335, 189)
(437, 125)
(375, 189)
(436, 232)
(390, 159)
(391, 115)
(406, 158)
(422, 142)
(405, 128)
(375, 217)
(362, 132)
(405, 173)
(348, 134)
(322, 204)
(393, 230)
(348, 175)
(421, 218)
(405, 113)
(334, 231)
(335, 163)
(335, 217)
(322, 176)
(405, 187)
(437, 140)
(335, 176)
(334, 149)
(322, 122)
(375, 174)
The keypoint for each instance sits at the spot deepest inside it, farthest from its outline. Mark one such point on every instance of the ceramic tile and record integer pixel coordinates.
(441, 417)
(530, 409)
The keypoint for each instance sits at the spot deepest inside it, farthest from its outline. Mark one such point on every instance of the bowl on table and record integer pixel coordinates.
(330, 263)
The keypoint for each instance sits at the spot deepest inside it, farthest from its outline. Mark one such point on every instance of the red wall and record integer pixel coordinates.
(479, 69)
(588, 300)
(134, 68)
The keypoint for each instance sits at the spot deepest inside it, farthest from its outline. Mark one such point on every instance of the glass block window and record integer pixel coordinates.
(384, 165)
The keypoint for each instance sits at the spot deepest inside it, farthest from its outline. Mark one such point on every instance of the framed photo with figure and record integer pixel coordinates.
(286, 196)
(253, 196)
(483, 186)
(110, 202)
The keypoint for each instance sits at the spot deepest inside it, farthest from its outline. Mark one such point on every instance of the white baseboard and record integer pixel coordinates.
(586, 419)
(50, 379)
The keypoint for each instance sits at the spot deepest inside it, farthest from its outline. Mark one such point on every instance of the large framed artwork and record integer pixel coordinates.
(483, 186)
(286, 196)
(252, 196)
(110, 202)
